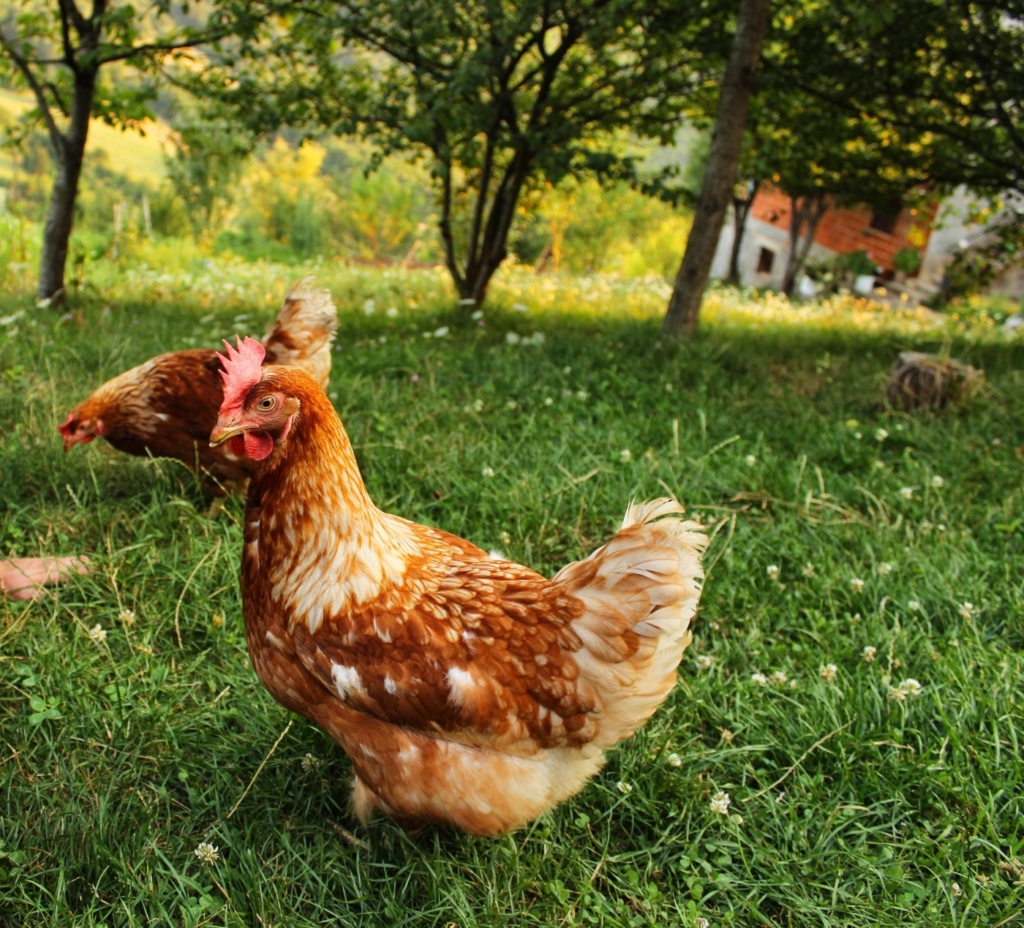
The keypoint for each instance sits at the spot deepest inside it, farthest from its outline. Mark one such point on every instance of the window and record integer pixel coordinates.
(884, 221)
(765, 260)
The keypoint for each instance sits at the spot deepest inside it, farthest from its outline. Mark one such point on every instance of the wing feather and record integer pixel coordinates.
(480, 654)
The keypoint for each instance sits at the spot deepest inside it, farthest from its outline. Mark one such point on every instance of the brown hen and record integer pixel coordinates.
(466, 689)
(167, 406)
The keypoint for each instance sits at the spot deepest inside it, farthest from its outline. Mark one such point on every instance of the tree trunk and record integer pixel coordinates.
(811, 211)
(60, 217)
(726, 143)
(740, 212)
(493, 245)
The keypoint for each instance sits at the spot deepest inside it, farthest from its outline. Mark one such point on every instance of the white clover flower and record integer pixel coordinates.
(926, 527)
(207, 854)
(807, 570)
(857, 435)
(477, 316)
(881, 434)
(487, 472)
(884, 569)
(538, 338)
(625, 455)
(624, 787)
(701, 923)
(97, 633)
(478, 405)
(773, 572)
(127, 616)
(310, 763)
(520, 308)
(720, 803)
(914, 606)
(957, 890)
(879, 465)
(548, 401)
(674, 760)
(750, 460)
(582, 395)
(511, 404)
(441, 332)
(829, 672)
(779, 678)
(966, 610)
(938, 482)
(856, 584)
(909, 687)
(759, 678)
(907, 492)
(704, 662)
(392, 312)
(369, 308)
(506, 539)
(512, 338)
(736, 818)
(868, 654)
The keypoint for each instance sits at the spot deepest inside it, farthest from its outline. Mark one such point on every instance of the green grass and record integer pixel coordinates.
(857, 809)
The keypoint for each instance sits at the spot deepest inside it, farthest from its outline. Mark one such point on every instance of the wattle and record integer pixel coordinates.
(258, 445)
(237, 445)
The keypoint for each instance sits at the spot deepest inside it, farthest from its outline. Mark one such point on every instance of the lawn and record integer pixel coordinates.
(841, 532)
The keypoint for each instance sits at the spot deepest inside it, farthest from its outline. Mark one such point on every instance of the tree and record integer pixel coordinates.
(60, 53)
(497, 97)
(203, 168)
(737, 87)
(954, 76)
(817, 149)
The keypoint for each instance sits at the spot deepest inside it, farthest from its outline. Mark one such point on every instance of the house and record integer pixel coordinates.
(936, 232)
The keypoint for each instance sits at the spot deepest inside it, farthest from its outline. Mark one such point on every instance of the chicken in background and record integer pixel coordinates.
(466, 689)
(167, 406)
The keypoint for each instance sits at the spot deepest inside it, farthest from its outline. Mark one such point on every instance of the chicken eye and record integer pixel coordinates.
(268, 402)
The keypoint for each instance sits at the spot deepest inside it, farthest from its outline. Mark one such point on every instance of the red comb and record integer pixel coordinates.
(242, 371)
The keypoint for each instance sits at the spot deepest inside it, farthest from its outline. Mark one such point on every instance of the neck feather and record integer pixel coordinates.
(323, 546)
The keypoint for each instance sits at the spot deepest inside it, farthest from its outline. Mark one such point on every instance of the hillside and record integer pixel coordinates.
(138, 156)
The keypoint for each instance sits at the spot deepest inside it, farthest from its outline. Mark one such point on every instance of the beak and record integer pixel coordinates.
(222, 431)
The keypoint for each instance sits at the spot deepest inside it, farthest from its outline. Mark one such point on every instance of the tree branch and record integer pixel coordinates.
(56, 137)
(57, 98)
(155, 47)
(68, 10)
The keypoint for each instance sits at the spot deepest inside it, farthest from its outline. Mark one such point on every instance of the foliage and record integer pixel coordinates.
(594, 227)
(841, 271)
(102, 64)
(907, 260)
(975, 266)
(204, 165)
(944, 77)
(496, 97)
(892, 812)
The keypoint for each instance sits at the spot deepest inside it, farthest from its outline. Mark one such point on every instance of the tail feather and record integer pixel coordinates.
(303, 332)
(640, 592)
